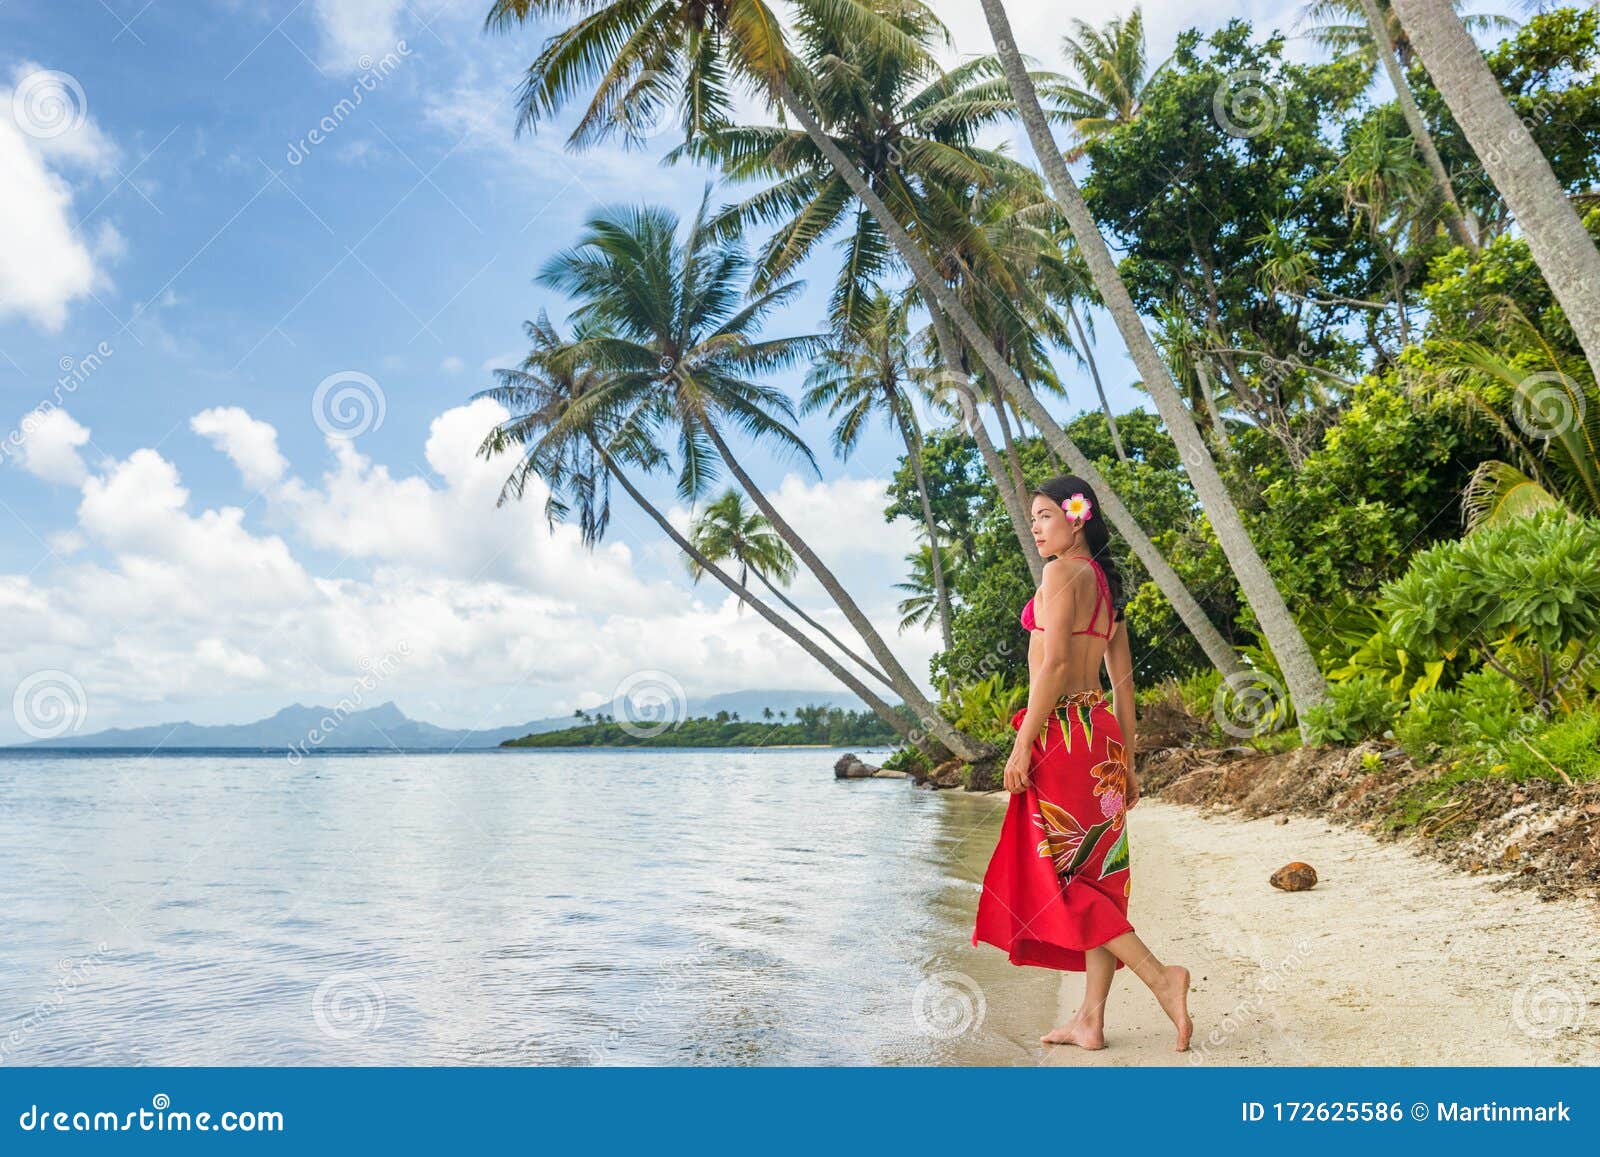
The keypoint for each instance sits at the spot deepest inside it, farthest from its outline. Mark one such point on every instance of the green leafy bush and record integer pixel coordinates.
(1355, 709)
(1526, 582)
(1569, 745)
(1481, 714)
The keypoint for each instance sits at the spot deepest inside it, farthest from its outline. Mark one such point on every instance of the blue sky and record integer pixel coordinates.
(180, 537)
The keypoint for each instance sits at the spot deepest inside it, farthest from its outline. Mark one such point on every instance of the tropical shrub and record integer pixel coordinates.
(1527, 583)
(1354, 710)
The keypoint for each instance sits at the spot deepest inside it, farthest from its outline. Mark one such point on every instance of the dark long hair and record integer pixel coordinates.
(1096, 531)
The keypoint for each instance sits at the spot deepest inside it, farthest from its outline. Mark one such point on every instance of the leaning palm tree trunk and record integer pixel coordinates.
(927, 743)
(928, 715)
(1182, 599)
(1009, 493)
(865, 665)
(1556, 237)
(1454, 217)
(941, 590)
(1099, 387)
(1305, 682)
(1013, 459)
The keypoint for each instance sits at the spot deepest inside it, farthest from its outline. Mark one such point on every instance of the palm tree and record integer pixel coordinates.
(578, 435)
(729, 531)
(1306, 685)
(866, 369)
(1112, 76)
(1343, 28)
(673, 336)
(1560, 245)
(628, 49)
(921, 605)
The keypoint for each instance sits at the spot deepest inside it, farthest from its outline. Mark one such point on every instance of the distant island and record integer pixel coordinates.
(354, 726)
(816, 725)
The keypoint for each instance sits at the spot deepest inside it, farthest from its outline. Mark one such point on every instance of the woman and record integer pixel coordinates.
(1056, 890)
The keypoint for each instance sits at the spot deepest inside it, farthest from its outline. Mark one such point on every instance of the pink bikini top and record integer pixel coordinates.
(1102, 594)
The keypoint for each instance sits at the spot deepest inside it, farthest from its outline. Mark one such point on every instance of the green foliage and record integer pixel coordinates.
(1526, 582)
(1479, 715)
(1567, 746)
(908, 759)
(984, 708)
(815, 725)
(1354, 710)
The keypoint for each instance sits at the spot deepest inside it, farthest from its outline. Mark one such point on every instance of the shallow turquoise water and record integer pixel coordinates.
(516, 907)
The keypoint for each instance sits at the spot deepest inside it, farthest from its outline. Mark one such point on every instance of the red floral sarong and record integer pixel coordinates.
(1058, 881)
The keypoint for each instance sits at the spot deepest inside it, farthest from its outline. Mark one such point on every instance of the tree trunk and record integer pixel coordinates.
(1007, 442)
(1453, 215)
(1099, 388)
(1161, 573)
(931, 747)
(955, 368)
(1556, 237)
(928, 715)
(822, 630)
(940, 588)
(1306, 685)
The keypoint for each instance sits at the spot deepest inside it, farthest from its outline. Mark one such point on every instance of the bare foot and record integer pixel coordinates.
(1078, 1032)
(1174, 999)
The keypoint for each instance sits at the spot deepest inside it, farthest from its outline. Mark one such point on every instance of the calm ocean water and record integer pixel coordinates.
(516, 907)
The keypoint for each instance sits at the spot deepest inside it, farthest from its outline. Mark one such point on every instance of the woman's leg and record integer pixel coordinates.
(1169, 982)
(1087, 1028)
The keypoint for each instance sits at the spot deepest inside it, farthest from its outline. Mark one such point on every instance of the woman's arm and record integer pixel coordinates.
(1119, 670)
(1050, 680)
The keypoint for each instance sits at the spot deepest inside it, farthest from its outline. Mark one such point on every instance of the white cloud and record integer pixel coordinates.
(351, 29)
(452, 365)
(50, 441)
(164, 608)
(44, 264)
(251, 445)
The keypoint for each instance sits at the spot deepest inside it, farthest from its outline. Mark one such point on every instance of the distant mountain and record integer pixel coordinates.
(385, 727)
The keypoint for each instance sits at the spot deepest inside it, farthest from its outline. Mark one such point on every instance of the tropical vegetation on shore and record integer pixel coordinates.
(1368, 321)
(811, 726)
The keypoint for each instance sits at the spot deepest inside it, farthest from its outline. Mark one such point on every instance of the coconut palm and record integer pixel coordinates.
(842, 141)
(1368, 30)
(1560, 245)
(1306, 685)
(729, 531)
(577, 435)
(867, 368)
(672, 333)
(921, 605)
(1112, 72)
